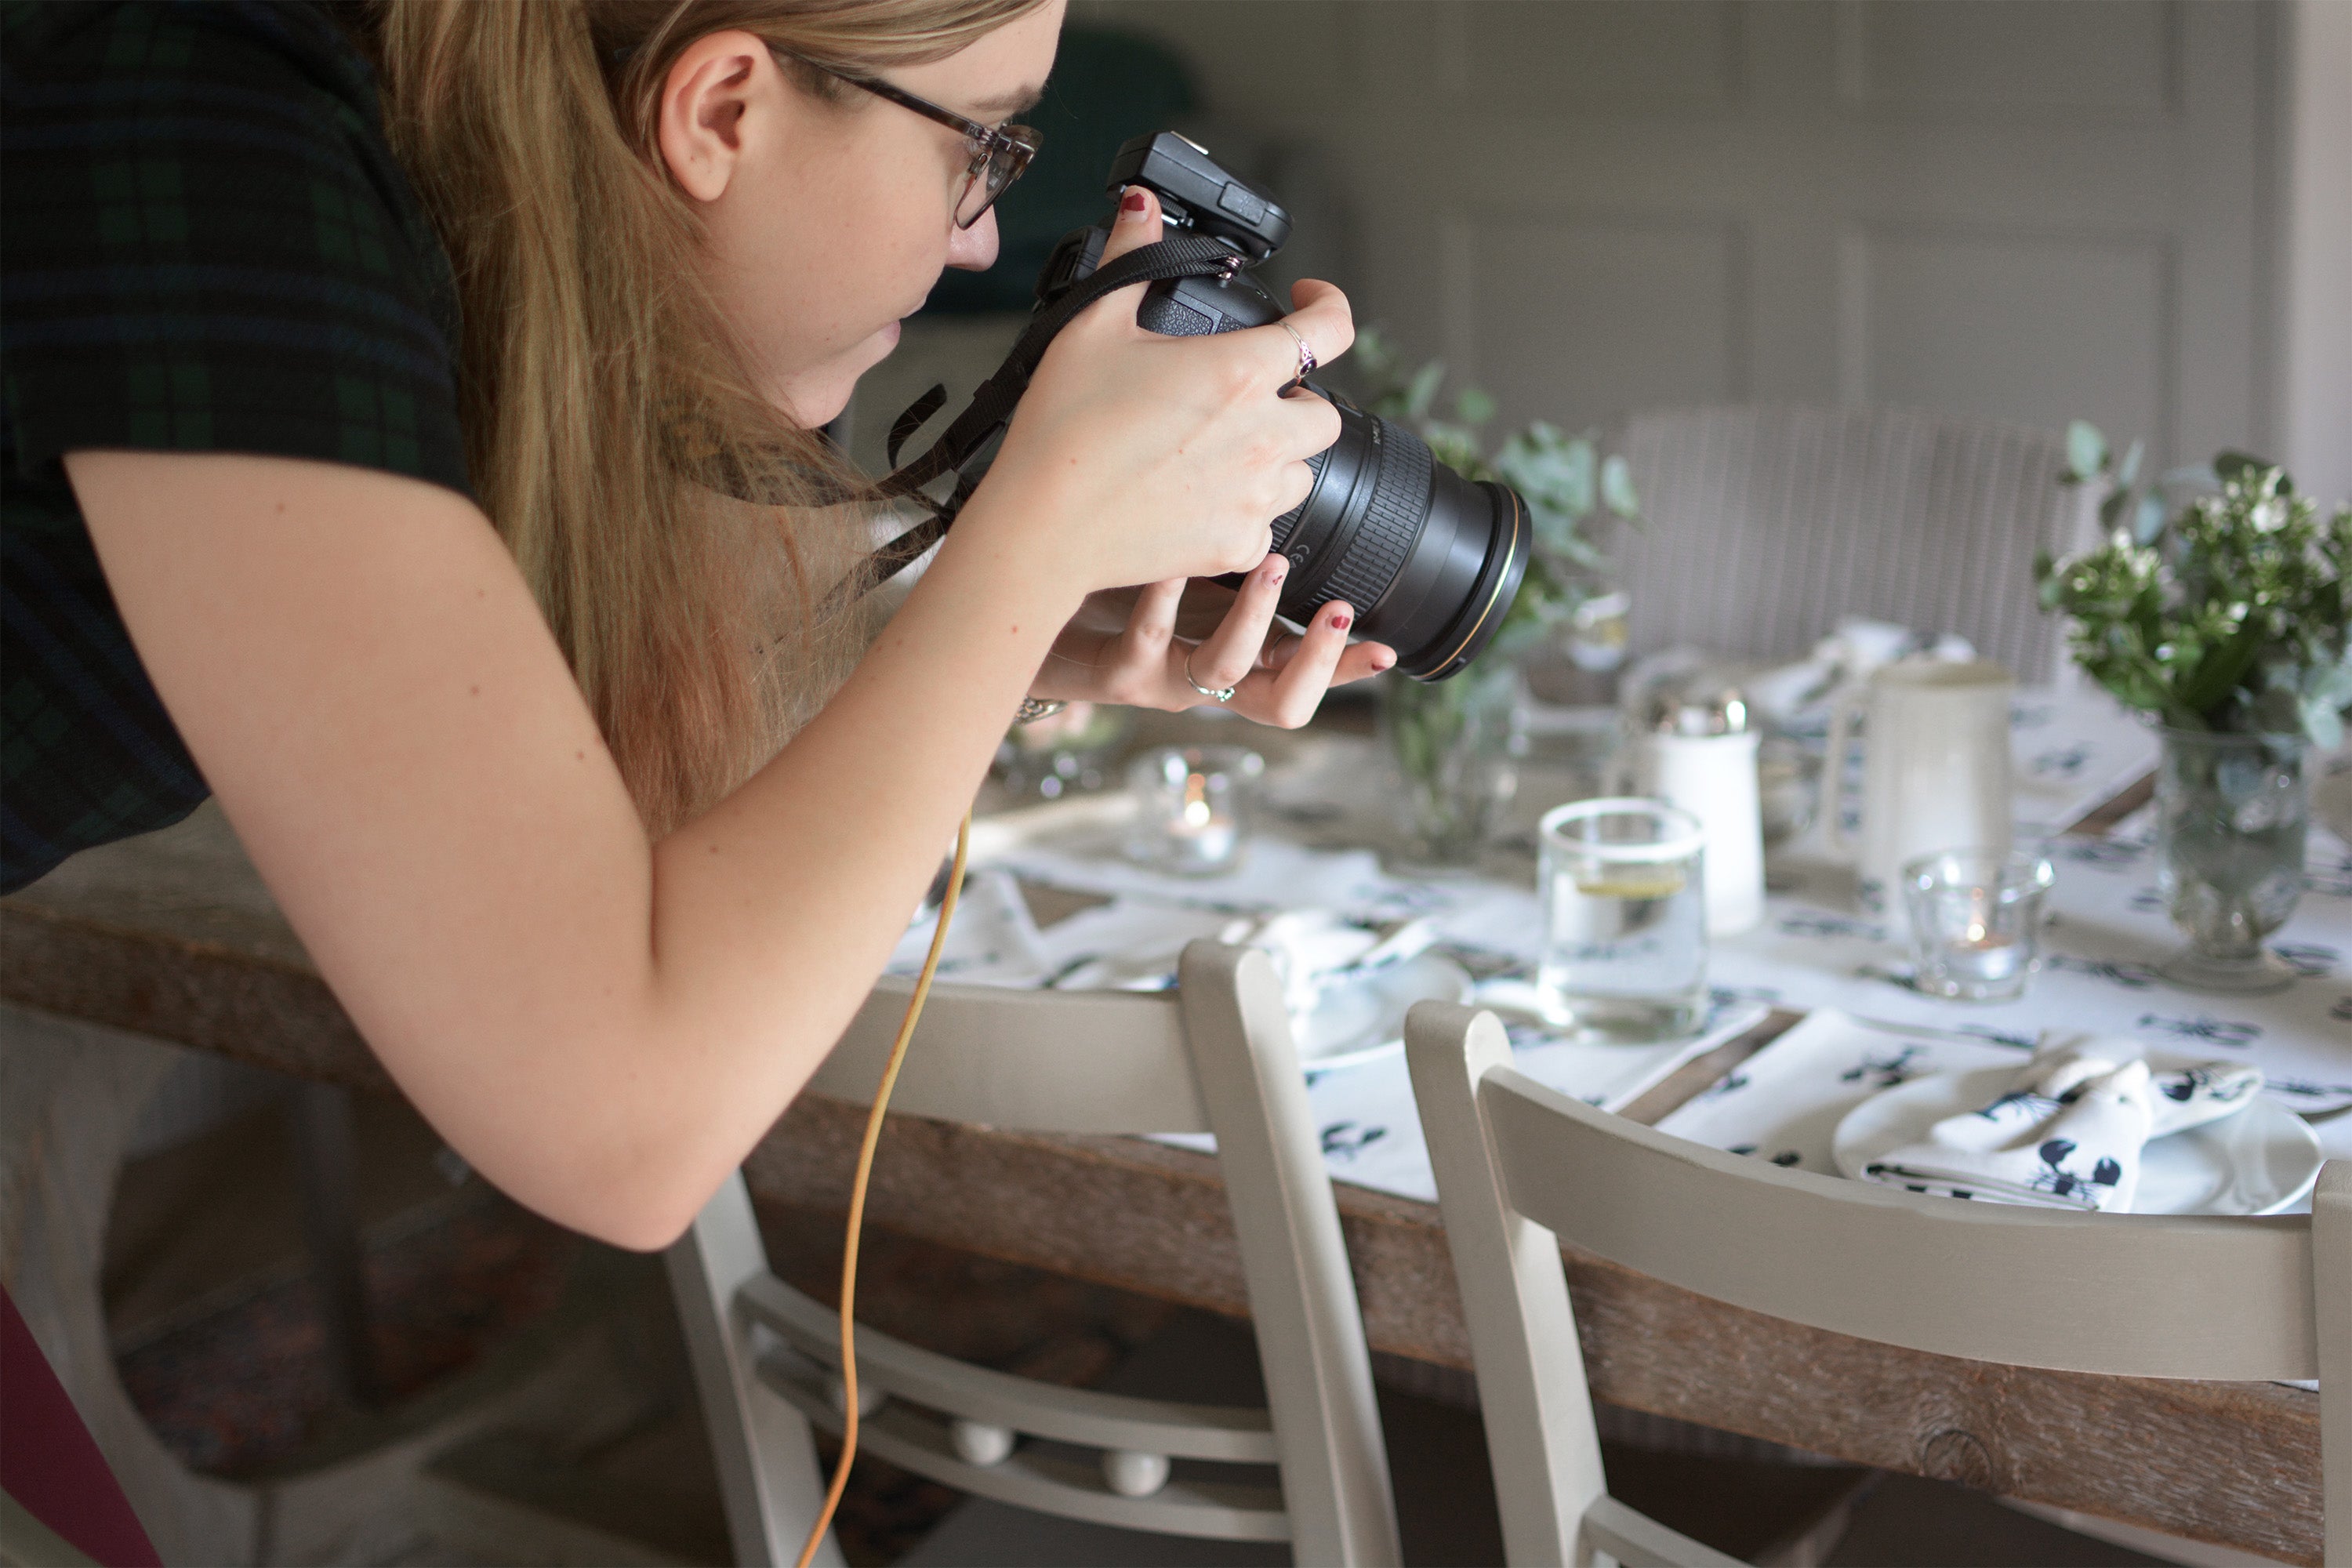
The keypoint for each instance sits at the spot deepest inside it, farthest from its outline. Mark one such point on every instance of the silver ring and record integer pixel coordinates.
(1033, 708)
(1307, 360)
(1271, 655)
(1211, 692)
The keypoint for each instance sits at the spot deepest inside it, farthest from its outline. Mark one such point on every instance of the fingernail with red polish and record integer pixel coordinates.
(1132, 202)
(1277, 569)
(1341, 620)
(1382, 660)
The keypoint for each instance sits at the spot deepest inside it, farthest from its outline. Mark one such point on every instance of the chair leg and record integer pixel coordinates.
(764, 1449)
(319, 1117)
(72, 1093)
(1303, 1307)
(2331, 1284)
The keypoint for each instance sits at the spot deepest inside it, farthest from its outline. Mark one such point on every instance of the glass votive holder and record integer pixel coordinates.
(1975, 921)
(1065, 752)
(1624, 906)
(1193, 807)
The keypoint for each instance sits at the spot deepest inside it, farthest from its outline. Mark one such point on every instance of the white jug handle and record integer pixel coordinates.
(1831, 810)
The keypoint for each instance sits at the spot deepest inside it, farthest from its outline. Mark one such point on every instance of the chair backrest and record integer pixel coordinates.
(1764, 524)
(1520, 1168)
(1213, 1055)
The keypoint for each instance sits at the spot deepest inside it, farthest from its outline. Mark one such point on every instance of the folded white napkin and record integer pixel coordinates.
(2069, 1131)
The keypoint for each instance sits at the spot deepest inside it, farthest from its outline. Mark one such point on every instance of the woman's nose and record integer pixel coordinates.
(973, 250)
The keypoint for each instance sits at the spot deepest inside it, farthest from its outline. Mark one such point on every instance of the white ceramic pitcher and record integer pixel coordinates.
(1934, 772)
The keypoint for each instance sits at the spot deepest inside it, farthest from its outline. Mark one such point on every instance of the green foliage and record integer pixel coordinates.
(2233, 613)
(1563, 479)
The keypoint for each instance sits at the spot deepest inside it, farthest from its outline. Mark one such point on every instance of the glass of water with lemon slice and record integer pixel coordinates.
(1625, 954)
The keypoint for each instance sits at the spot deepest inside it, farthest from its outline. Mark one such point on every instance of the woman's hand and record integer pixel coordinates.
(1134, 458)
(1138, 645)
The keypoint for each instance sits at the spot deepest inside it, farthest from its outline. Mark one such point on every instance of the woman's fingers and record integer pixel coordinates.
(1137, 225)
(1358, 661)
(1227, 657)
(1320, 313)
(1288, 698)
(1138, 657)
(1363, 660)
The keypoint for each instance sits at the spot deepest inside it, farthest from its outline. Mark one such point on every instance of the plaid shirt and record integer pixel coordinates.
(206, 246)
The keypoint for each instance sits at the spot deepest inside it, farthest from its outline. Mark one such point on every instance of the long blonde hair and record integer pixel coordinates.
(678, 531)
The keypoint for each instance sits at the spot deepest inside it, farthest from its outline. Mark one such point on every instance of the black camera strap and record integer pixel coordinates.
(990, 409)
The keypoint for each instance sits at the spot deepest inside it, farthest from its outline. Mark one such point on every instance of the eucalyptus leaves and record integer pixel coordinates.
(2230, 613)
(1563, 479)
(1451, 739)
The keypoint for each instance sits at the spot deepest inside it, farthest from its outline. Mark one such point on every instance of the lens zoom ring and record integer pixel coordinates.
(1400, 504)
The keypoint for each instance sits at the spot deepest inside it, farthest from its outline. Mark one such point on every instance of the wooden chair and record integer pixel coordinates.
(1764, 524)
(1521, 1169)
(1213, 1055)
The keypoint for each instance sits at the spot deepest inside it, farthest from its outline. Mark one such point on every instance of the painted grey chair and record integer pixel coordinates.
(1213, 1055)
(1521, 1169)
(1765, 524)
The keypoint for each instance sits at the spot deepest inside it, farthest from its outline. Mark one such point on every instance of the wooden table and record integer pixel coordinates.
(173, 936)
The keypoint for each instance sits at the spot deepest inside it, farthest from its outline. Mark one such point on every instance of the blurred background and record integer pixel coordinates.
(2134, 212)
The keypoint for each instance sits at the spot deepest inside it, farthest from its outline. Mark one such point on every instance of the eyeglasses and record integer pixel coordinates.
(999, 154)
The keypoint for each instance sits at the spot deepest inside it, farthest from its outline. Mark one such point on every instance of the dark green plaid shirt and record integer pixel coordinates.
(206, 246)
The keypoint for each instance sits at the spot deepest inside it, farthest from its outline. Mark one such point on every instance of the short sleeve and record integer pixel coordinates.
(208, 245)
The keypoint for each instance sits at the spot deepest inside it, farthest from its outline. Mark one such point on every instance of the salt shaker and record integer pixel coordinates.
(1692, 747)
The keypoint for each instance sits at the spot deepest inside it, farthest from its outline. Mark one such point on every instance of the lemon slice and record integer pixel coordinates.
(1635, 882)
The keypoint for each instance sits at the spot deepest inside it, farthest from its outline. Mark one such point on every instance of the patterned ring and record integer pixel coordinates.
(1033, 708)
(1306, 361)
(1211, 692)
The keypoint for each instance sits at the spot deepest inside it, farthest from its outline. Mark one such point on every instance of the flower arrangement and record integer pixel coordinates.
(1563, 479)
(2230, 613)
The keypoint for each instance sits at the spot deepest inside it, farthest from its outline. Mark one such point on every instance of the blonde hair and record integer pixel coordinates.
(678, 531)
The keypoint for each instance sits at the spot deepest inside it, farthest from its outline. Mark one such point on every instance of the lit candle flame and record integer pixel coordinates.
(1196, 801)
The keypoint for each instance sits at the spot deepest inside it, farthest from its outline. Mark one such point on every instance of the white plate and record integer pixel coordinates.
(2257, 1162)
(1363, 1021)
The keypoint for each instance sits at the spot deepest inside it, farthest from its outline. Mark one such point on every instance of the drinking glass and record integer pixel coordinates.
(1625, 954)
(1975, 921)
(1192, 807)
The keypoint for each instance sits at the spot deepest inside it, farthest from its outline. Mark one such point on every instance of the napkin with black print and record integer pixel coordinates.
(2068, 1131)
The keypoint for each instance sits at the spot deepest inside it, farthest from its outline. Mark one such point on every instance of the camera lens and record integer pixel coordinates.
(1428, 560)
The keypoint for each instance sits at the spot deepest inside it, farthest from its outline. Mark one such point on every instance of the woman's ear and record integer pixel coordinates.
(713, 85)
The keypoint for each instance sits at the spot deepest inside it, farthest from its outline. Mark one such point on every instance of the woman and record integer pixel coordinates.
(484, 609)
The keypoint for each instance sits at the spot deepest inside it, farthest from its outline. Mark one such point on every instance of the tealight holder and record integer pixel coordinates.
(1975, 921)
(1193, 807)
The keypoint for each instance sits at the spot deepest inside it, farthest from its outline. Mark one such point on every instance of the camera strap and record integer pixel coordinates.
(1182, 255)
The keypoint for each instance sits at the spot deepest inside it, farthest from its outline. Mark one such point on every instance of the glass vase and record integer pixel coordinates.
(2230, 814)
(1450, 743)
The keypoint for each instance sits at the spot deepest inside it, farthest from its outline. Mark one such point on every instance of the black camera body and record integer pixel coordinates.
(1429, 560)
(1194, 194)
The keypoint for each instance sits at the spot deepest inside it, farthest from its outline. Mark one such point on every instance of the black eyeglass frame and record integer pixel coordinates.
(1006, 147)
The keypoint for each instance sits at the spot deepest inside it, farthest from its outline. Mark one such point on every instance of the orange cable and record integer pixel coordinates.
(857, 1196)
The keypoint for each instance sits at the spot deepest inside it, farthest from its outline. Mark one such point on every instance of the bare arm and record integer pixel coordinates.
(602, 1025)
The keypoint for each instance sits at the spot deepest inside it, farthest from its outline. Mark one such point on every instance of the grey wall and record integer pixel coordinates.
(2032, 209)
(2315, 332)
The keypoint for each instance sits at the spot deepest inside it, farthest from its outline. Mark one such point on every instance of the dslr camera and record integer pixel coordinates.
(1428, 560)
